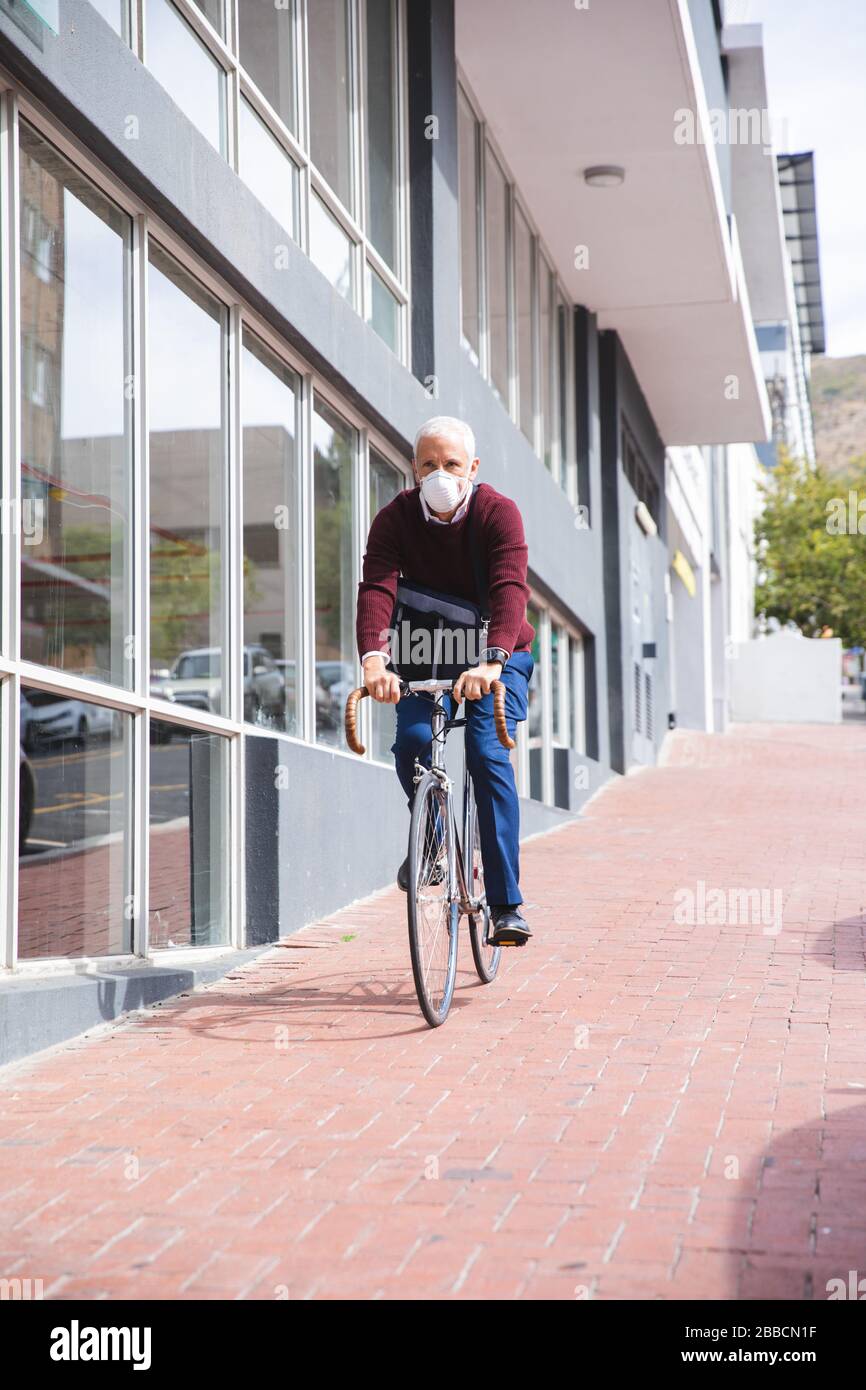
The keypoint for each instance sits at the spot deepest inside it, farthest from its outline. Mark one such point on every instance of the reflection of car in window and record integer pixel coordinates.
(50, 718)
(27, 798)
(197, 665)
(334, 681)
(195, 679)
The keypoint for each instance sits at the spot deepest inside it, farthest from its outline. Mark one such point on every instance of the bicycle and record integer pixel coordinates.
(438, 858)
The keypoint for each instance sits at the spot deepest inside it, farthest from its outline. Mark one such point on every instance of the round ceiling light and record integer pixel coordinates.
(604, 175)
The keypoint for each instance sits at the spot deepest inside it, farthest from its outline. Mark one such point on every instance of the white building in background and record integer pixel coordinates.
(713, 498)
(713, 494)
(773, 200)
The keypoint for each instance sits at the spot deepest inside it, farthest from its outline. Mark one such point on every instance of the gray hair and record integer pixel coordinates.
(447, 424)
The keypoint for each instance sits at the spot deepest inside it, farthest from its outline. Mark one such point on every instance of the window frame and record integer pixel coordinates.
(240, 84)
(571, 698)
(137, 701)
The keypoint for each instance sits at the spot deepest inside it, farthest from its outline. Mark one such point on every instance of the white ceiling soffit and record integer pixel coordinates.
(755, 181)
(562, 89)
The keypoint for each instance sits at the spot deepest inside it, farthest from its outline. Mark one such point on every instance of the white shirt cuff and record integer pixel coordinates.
(376, 652)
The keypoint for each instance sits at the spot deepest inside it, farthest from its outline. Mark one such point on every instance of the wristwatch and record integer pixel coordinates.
(494, 654)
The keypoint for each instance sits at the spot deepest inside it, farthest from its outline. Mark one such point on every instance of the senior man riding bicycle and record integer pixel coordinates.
(451, 536)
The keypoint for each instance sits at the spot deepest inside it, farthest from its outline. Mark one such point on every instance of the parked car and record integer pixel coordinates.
(25, 720)
(195, 679)
(264, 684)
(26, 798)
(334, 681)
(52, 718)
(160, 729)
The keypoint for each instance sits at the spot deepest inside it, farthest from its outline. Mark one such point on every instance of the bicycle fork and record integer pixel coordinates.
(459, 890)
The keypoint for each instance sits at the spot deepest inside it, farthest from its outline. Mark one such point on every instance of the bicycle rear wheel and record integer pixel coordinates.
(486, 957)
(433, 916)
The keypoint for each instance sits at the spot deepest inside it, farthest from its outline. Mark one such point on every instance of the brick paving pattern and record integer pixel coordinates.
(642, 1105)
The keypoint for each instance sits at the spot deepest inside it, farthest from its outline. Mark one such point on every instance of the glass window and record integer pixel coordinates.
(191, 76)
(76, 427)
(213, 11)
(577, 695)
(535, 718)
(496, 205)
(331, 249)
(334, 446)
(267, 53)
(545, 329)
(271, 539)
(74, 805)
(533, 616)
(187, 837)
(523, 246)
(383, 309)
(116, 12)
(186, 401)
(267, 169)
(563, 385)
(467, 134)
(330, 95)
(386, 482)
(382, 144)
(558, 679)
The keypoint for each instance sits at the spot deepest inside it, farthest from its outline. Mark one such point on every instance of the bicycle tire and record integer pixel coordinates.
(486, 957)
(434, 956)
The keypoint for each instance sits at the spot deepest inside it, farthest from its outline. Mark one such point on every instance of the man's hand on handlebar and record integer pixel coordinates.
(475, 683)
(379, 682)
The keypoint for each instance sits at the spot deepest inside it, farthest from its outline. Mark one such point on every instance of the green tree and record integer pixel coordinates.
(811, 544)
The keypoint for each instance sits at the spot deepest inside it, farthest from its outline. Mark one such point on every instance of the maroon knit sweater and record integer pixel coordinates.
(403, 544)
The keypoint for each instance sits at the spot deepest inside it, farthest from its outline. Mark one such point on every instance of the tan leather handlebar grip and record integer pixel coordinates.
(351, 721)
(499, 714)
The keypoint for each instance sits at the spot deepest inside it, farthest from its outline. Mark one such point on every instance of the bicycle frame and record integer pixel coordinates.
(440, 723)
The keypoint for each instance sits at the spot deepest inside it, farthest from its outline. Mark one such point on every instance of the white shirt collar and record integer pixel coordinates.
(458, 515)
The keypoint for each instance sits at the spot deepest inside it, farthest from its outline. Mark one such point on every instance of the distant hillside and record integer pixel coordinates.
(838, 392)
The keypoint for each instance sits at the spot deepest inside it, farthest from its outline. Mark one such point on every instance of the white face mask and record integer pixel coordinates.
(442, 492)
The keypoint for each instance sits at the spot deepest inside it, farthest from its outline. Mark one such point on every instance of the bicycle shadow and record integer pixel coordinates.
(317, 1004)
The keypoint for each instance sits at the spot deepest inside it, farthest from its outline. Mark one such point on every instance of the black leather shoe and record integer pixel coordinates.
(436, 876)
(509, 928)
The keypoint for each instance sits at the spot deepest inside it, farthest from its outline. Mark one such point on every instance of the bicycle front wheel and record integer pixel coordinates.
(433, 913)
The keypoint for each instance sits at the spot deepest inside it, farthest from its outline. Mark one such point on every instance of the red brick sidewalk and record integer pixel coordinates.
(640, 1106)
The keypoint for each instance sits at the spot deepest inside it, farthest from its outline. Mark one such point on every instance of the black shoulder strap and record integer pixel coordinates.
(477, 567)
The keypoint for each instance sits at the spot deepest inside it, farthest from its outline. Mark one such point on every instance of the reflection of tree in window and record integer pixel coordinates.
(187, 366)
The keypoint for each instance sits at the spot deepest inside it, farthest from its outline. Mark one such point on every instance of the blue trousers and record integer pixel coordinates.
(489, 767)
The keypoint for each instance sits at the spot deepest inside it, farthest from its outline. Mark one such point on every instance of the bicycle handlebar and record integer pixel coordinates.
(351, 720)
(351, 716)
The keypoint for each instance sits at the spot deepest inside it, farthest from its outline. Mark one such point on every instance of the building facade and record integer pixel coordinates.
(247, 249)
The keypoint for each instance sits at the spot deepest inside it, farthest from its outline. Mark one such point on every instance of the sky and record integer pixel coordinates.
(815, 60)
